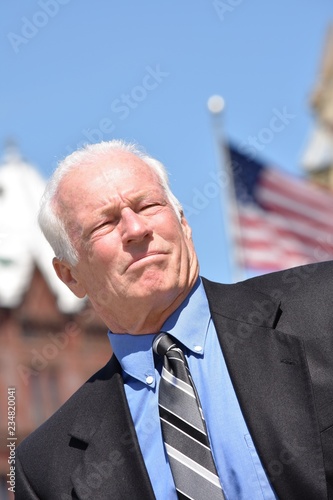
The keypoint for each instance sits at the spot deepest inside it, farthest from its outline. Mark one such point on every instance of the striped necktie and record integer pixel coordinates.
(183, 427)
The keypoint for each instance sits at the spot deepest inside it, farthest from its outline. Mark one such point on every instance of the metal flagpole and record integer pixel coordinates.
(230, 211)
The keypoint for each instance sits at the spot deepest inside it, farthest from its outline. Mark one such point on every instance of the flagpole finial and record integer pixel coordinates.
(216, 104)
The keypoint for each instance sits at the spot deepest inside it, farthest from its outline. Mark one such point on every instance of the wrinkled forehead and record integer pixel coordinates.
(85, 182)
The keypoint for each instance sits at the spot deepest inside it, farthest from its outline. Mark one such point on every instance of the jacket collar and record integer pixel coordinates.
(105, 431)
(270, 374)
(269, 371)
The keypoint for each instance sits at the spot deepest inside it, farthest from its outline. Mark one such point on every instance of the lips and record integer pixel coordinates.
(144, 257)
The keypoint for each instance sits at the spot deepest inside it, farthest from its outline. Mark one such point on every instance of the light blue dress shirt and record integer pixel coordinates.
(237, 462)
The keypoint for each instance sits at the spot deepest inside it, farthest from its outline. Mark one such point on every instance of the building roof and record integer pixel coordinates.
(22, 245)
(318, 154)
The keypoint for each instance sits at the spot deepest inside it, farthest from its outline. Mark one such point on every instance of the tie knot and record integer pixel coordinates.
(163, 343)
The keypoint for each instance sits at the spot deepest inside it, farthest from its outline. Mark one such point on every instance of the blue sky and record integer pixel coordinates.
(76, 72)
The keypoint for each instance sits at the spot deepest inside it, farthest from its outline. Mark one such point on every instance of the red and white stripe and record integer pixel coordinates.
(295, 227)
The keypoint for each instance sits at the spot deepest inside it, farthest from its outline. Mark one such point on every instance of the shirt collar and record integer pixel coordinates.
(188, 324)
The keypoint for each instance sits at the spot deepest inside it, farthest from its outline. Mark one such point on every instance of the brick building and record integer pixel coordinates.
(50, 341)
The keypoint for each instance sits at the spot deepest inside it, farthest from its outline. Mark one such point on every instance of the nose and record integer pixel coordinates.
(134, 227)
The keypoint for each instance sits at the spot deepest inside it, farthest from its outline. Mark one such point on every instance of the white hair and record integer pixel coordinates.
(50, 220)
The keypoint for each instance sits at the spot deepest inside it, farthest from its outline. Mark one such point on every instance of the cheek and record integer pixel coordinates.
(101, 251)
(172, 230)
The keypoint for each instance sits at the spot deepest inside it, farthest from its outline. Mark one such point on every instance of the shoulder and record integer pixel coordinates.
(301, 280)
(54, 434)
(299, 299)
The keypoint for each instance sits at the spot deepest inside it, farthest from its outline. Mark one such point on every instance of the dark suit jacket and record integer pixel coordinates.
(276, 333)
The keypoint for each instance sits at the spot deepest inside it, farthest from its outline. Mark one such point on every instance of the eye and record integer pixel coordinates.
(107, 225)
(150, 207)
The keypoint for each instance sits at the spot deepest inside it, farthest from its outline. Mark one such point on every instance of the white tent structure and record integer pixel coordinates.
(22, 245)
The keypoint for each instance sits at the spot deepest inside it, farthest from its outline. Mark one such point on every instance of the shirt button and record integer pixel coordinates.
(149, 379)
(197, 348)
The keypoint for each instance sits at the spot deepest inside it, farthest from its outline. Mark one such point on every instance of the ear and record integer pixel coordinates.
(186, 227)
(66, 274)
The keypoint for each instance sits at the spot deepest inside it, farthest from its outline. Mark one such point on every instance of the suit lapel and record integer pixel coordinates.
(113, 465)
(270, 375)
(269, 371)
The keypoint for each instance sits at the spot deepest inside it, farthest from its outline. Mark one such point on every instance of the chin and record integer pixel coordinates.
(157, 289)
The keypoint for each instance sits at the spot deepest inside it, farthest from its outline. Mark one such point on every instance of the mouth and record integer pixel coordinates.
(145, 258)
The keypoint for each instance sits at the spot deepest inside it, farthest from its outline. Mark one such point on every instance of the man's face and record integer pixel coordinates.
(136, 259)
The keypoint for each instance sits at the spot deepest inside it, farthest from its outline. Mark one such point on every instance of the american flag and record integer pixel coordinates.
(284, 221)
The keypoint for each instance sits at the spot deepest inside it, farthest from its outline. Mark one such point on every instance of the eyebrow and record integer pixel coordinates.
(107, 208)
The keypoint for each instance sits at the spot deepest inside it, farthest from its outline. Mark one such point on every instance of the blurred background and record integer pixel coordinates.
(234, 97)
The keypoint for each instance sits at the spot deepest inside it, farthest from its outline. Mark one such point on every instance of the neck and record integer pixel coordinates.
(141, 321)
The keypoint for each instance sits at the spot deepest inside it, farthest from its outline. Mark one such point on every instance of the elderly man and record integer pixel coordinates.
(232, 400)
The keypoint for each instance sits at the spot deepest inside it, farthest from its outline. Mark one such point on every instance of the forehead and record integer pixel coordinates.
(116, 173)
